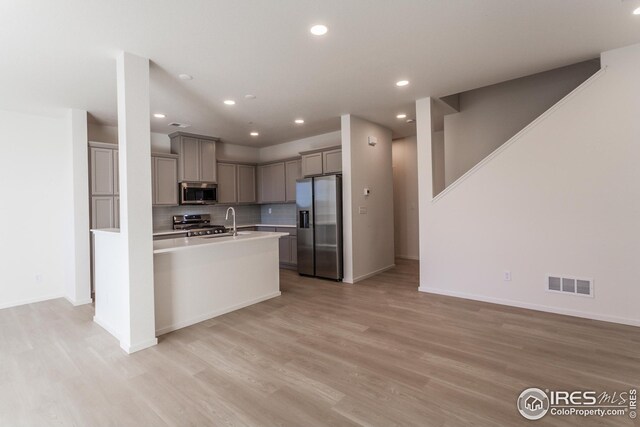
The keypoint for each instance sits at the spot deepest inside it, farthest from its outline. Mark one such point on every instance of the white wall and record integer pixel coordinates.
(36, 172)
(489, 116)
(77, 243)
(237, 153)
(405, 197)
(563, 197)
(368, 237)
(160, 143)
(293, 148)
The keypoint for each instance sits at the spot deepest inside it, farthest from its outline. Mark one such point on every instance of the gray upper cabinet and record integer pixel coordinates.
(246, 183)
(227, 183)
(207, 160)
(189, 153)
(104, 185)
(312, 164)
(102, 172)
(165, 179)
(322, 162)
(332, 161)
(197, 157)
(293, 172)
(271, 183)
(236, 183)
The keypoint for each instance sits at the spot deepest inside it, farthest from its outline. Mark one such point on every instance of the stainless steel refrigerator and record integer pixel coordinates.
(319, 222)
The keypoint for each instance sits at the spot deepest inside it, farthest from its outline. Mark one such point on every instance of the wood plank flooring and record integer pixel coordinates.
(378, 353)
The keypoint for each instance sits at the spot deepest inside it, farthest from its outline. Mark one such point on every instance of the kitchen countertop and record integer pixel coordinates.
(181, 243)
(171, 231)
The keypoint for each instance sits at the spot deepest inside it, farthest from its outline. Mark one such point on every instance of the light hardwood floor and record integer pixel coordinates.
(377, 353)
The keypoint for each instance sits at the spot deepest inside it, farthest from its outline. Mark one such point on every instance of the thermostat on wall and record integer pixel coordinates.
(372, 140)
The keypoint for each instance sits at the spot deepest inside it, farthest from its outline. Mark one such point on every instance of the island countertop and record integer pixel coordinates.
(168, 232)
(185, 243)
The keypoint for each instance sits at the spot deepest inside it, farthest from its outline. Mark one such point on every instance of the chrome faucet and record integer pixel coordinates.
(233, 211)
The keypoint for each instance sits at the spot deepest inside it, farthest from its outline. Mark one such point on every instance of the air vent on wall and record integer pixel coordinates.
(179, 125)
(570, 285)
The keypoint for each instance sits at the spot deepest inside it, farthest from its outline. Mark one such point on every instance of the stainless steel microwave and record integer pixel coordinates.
(198, 193)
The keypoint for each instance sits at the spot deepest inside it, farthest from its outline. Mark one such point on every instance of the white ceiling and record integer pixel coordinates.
(59, 54)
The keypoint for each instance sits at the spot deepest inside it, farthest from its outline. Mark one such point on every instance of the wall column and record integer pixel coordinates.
(425, 176)
(134, 139)
(78, 278)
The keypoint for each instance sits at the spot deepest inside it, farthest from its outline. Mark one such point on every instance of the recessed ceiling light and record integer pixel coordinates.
(401, 116)
(401, 83)
(299, 121)
(319, 30)
(637, 11)
(254, 134)
(250, 97)
(159, 116)
(229, 102)
(185, 76)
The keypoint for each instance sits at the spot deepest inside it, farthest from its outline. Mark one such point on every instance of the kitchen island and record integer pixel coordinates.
(198, 278)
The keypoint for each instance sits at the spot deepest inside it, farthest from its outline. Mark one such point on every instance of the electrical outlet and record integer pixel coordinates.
(507, 276)
(269, 211)
(362, 210)
(38, 278)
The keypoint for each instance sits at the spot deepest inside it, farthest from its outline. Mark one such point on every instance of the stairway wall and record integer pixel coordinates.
(562, 197)
(489, 116)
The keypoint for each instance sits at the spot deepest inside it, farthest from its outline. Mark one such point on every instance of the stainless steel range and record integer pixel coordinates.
(197, 225)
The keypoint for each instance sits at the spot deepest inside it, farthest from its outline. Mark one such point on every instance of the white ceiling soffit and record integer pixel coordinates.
(59, 54)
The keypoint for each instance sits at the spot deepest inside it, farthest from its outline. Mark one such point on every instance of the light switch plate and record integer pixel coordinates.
(362, 210)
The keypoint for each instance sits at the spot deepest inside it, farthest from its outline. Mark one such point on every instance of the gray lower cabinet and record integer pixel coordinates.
(116, 212)
(116, 172)
(288, 247)
(285, 250)
(293, 241)
(102, 212)
(293, 172)
(164, 170)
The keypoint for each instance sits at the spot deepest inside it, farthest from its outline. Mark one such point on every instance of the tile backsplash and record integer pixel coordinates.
(284, 214)
(245, 214)
(280, 214)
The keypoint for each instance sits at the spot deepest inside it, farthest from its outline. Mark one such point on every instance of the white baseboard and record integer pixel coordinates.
(107, 327)
(129, 348)
(201, 318)
(79, 302)
(373, 273)
(30, 301)
(536, 307)
(411, 257)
